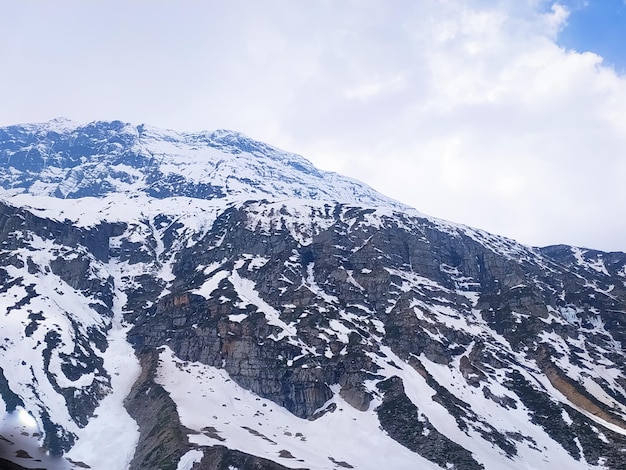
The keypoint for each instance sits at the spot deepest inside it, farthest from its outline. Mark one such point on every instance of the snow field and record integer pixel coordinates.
(222, 413)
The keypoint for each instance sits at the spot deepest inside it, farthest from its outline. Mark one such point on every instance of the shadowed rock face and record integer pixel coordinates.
(162, 440)
(401, 419)
(8, 465)
(222, 458)
(298, 301)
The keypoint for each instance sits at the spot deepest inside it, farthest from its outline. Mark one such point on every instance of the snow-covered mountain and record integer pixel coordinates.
(207, 301)
(68, 161)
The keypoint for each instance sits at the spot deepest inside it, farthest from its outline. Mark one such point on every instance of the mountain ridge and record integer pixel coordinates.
(274, 325)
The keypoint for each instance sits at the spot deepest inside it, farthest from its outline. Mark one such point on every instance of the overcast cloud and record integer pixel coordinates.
(464, 109)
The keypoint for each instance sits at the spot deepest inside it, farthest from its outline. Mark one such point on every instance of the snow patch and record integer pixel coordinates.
(186, 461)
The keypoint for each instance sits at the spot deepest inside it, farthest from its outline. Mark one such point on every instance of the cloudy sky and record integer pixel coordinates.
(508, 115)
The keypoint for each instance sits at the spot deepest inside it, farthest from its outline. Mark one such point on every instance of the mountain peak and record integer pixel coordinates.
(61, 124)
(63, 159)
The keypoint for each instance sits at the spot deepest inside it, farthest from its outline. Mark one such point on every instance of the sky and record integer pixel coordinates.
(506, 115)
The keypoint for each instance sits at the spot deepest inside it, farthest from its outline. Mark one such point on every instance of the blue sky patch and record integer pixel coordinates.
(598, 26)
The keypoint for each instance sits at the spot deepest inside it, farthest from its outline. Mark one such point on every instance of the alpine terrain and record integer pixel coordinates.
(206, 301)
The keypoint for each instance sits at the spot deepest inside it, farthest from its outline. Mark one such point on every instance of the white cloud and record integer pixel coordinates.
(467, 110)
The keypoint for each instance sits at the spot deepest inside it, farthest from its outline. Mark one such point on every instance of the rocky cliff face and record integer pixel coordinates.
(282, 317)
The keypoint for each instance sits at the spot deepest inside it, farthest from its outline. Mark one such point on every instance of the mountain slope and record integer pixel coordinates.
(205, 299)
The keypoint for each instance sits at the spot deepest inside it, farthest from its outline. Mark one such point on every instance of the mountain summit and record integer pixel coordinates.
(70, 161)
(207, 301)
